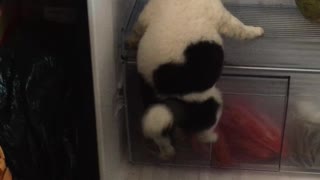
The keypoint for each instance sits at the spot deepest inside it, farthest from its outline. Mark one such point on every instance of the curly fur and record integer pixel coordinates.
(178, 42)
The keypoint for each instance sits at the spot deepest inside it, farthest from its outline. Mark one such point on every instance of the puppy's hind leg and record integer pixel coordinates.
(232, 27)
(156, 123)
(207, 136)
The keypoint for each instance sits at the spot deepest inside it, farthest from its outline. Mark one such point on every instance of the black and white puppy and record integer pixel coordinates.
(180, 57)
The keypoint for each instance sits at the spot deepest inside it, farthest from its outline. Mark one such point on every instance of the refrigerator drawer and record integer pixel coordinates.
(250, 131)
(252, 125)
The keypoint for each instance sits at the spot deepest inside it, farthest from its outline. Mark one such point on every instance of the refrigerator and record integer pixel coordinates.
(269, 86)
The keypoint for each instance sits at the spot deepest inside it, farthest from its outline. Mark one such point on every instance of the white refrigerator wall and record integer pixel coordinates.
(105, 20)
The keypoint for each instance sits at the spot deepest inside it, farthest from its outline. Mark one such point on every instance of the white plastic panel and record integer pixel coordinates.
(106, 18)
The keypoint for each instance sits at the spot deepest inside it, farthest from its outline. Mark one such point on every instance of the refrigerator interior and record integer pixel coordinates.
(285, 83)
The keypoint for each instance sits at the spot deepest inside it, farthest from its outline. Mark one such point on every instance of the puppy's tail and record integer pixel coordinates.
(157, 121)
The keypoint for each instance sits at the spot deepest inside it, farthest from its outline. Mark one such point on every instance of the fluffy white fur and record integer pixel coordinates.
(167, 27)
(164, 29)
(157, 118)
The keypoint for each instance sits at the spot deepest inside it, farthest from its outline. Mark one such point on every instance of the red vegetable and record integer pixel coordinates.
(246, 136)
(221, 151)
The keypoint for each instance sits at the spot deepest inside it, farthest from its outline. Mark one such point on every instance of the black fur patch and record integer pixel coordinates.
(201, 70)
(193, 117)
(147, 93)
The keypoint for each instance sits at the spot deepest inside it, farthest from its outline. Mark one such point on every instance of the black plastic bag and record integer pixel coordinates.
(47, 122)
(38, 140)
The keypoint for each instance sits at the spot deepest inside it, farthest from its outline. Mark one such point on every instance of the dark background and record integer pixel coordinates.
(47, 121)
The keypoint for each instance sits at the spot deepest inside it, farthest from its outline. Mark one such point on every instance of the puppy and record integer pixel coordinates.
(180, 59)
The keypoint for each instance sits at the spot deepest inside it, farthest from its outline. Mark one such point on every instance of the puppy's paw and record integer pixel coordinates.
(214, 137)
(167, 153)
(208, 137)
(255, 32)
(259, 31)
